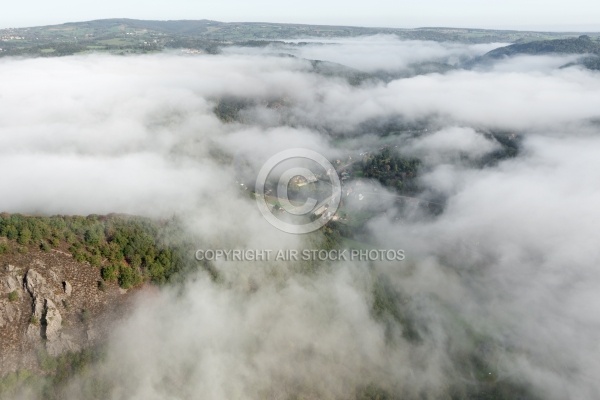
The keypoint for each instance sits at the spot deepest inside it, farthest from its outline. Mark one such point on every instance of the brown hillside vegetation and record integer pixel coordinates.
(51, 304)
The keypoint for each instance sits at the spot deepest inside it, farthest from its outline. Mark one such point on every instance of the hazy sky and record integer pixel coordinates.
(532, 14)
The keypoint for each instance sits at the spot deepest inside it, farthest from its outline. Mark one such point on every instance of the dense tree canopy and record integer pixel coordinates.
(128, 249)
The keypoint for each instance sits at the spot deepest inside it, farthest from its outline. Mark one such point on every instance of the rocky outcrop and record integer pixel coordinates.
(35, 285)
(10, 288)
(34, 282)
(50, 302)
(51, 321)
(57, 342)
(46, 321)
(12, 284)
(67, 288)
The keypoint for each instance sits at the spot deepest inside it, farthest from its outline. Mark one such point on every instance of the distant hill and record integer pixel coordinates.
(581, 45)
(125, 36)
(586, 46)
(188, 27)
(131, 36)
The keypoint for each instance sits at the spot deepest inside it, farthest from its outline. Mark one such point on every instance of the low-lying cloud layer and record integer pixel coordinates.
(379, 52)
(498, 291)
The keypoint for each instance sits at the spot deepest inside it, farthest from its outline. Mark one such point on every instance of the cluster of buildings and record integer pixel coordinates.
(6, 38)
